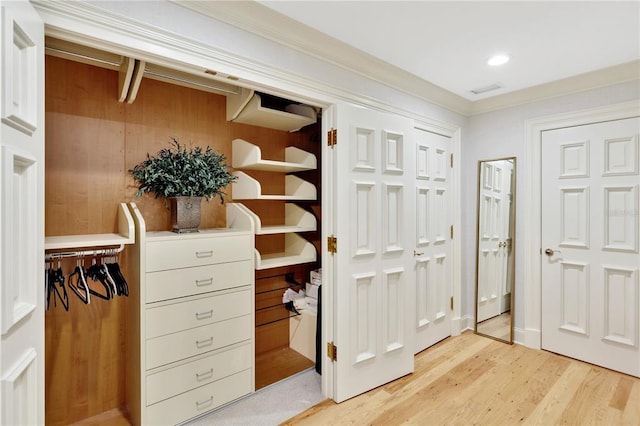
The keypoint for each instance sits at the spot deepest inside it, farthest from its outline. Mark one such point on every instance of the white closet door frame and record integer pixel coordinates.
(532, 214)
(22, 377)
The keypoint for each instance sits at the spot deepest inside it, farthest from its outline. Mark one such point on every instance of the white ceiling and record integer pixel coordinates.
(448, 43)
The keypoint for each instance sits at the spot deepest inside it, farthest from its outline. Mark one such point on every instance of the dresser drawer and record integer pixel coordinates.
(177, 380)
(167, 319)
(183, 282)
(200, 400)
(173, 347)
(185, 253)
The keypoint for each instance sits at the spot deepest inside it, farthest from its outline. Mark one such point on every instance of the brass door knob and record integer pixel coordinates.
(551, 252)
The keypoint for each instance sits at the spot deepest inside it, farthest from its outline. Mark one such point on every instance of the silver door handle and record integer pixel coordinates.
(551, 252)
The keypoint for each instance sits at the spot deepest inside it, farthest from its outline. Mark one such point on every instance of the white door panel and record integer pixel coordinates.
(590, 285)
(22, 216)
(373, 271)
(432, 242)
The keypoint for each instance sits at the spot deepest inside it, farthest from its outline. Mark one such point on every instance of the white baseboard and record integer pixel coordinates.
(518, 336)
(532, 338)
(456, 326)
(465, 323)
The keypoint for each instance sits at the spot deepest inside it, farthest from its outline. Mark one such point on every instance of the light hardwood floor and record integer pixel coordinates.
(474, 380)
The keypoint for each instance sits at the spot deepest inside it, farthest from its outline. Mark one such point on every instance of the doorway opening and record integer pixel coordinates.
(105, 113)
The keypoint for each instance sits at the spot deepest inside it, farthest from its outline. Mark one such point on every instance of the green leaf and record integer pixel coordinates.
(178, 171)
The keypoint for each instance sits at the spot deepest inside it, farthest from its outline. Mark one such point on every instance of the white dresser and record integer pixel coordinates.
(196, 323)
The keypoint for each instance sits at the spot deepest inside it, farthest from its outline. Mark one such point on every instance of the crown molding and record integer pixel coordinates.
(260, 20)
(88, 24)
(622, 73)
(255, 18)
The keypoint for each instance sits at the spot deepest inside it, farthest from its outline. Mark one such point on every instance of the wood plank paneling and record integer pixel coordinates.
(84, 146)
(84, 182)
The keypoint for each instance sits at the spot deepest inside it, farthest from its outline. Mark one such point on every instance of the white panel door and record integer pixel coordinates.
(432, 238)
(494, 292)
(590, 232)
(22, 216)
(373, 270)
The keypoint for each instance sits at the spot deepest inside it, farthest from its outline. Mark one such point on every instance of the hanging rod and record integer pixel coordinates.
(81, 56)
(191, 82)
(156, 74)
(86, 253)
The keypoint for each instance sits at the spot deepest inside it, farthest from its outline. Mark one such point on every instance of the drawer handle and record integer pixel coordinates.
(202, 283)
(204, 403)
(205, 342)
(203, 315)
(208, 253)
(205, 375)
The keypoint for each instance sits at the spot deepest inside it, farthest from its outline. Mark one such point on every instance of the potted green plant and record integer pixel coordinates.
(184, 176)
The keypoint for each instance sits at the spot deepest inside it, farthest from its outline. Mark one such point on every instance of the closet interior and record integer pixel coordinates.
(104, 113)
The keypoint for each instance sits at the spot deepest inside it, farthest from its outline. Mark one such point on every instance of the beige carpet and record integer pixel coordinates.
(270, 405)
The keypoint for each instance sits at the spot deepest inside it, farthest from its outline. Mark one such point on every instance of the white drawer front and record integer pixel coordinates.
(173, 347)
(165, 384)
(200, 400)
(167, 319)
(176, 283)
(168, 254)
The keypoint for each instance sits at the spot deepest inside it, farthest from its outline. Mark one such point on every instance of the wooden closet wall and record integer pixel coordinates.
(92, 140)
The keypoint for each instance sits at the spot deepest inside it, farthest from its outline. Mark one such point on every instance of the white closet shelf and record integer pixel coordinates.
(247, 188)
(247, 108)
(296, 219)
(125, 235)
(249, 156)
(297, 250)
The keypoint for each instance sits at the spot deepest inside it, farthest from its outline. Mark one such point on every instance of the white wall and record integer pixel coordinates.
(501, 134)
(489, 135)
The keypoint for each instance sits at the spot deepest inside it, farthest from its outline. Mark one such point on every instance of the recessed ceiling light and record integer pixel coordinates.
(497, 60)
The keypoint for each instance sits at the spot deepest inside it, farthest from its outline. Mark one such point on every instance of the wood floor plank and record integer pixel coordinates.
(621, 396)
(540, 380)
(473, 380)
(555, 402)
(496, 396)
(429, 366)
(631, 414)
(590, 401)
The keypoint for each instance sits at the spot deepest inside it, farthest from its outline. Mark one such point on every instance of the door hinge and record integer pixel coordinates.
(332, 137)
(451, 160)
(452, 303)
(332, 351)
(332, 244)
(451, 232)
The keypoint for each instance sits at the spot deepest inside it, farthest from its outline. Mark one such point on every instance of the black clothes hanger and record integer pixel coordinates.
(97, 274)
(78, 283)
(54, 280)
(116, 274)
(109, 279)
